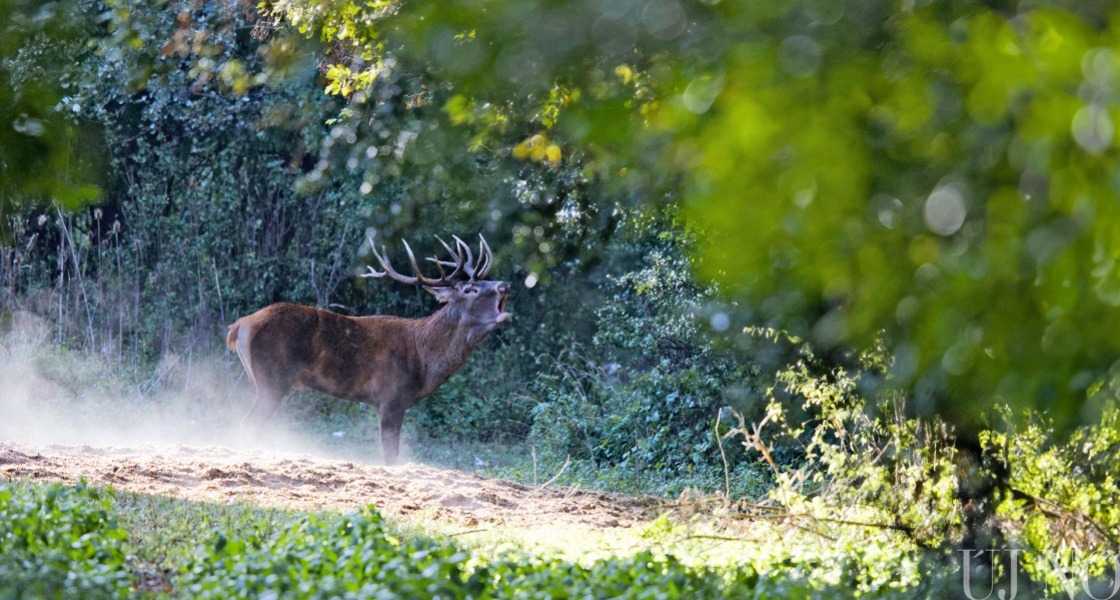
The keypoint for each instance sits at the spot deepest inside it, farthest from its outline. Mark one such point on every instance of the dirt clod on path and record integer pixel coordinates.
(304, 482)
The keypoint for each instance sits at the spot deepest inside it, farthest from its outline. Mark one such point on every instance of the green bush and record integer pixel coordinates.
(646, 394)
(860, 461)
(60, 541)
(1060, 504)
(201, 221)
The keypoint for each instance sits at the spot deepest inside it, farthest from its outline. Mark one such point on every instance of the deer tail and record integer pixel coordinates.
(236, 344)
(231, 337)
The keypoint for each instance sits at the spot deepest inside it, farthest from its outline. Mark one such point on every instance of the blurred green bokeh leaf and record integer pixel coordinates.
(956, 190)
(44, 155)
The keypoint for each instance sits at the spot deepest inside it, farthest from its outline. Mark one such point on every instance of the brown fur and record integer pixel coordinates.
(389, 362)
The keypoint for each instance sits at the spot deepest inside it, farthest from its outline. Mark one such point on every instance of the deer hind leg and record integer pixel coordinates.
(272, 386)
(263, 407)
(390, 420)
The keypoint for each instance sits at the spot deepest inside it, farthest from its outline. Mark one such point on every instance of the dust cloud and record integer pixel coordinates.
(53, 396)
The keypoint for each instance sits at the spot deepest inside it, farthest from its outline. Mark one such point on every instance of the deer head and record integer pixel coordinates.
(477, 304)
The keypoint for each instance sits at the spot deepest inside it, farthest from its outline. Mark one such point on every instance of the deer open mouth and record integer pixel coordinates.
(503, 316)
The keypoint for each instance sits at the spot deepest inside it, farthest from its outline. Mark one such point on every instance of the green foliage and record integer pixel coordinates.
(355, 556)
(658, 420)
(320, 558)
(164, 532)
(860, 462)
(1061, 503)
(641, 576)
(645, 395)
(483, 403)
(973, 163)
(202, 222)
(43, 156)
(58, 541)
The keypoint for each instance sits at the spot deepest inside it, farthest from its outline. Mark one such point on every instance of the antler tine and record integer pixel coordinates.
(385, 265)
(446, 247)
(465, 249)
(439, 265)
(459, 264)
(480, 268)
(420, 275)
(486, 258)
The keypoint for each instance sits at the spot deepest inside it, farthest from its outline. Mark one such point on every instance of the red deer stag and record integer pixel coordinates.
(389, 362)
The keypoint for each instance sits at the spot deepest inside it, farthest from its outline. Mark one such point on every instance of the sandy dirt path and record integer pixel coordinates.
(406, 493)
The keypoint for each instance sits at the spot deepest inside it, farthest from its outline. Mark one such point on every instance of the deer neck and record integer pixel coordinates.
(443, 343)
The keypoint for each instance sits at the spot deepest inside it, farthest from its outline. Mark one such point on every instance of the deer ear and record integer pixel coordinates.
(443, 294)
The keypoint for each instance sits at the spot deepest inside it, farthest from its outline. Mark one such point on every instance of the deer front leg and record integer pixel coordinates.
(391, 417)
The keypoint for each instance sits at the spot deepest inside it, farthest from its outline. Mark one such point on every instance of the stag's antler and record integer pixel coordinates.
(475, 272)
(461, 263)
(485, 258)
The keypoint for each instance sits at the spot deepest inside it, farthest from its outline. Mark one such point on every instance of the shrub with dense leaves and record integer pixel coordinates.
(1061, 502)
(859, 461)
(60, 541)
(645, 395)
